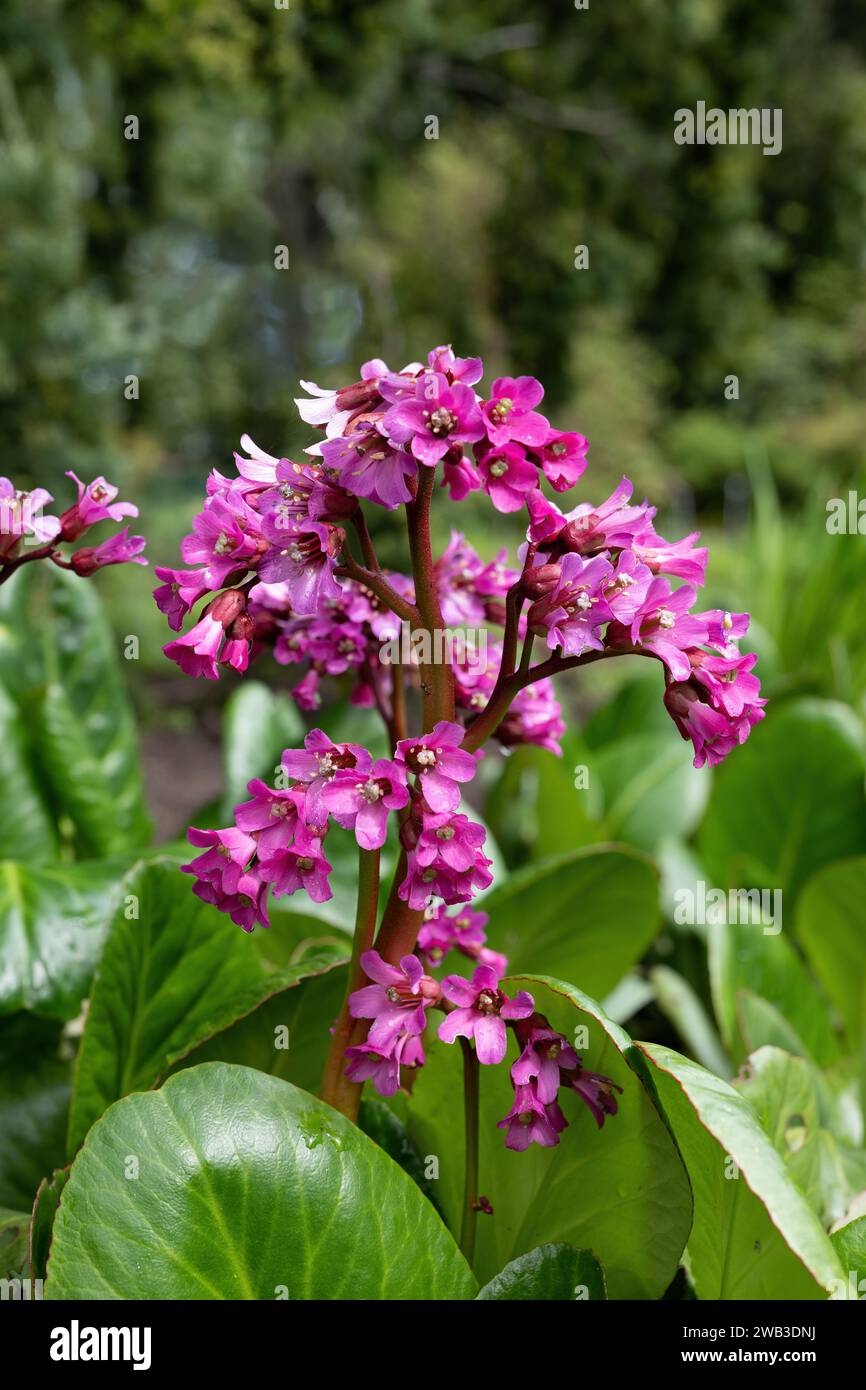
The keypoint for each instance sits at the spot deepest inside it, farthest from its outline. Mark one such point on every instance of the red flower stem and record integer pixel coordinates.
(8, 567)
(378, 585)
(368, 550)
(470, 1187)
(336, 1090)
(488, 721)
(437, 678)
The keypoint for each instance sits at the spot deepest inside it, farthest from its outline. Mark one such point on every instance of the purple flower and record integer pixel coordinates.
(197, 652)
(247, 907)
(179, 592)
(446, 861)
(459, 474)
(396, 1001)
(271, 817)
(121, 549)
(571, 614)
(439, 763)
(21, 515)
(363, 801)
(318, 763)
(509, 414)
(596, 1092)
(382, 1067)
(227, 853)
(544, 1053)
(303, 558)
(530, 1121)
(663, 625)
(481, 1011)
(299, 865)
(535, 717)
(367, 465)
(438, 417)
(683, 559)
(226, 536)
(463, 932)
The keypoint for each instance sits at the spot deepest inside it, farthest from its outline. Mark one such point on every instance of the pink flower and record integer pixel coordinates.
(396, 1001)
(197, 653)
(663, 625)
(21, 515)
(367, 465)
(226, 536)
(714, 733)
(439, 763)
(682, 558)
(481, 1011)
(318, 763)
(509, 414)
(572, 613)
(464, 932)
(438, 417)
(363, 801)
(121, 549)
(507, 476)
(544, 1053)
(596, 1092)
(563, 459)
(587, 529)
(445, 862)
(299, 865)
(304, 559)
(179, 593)
(459, 474)
(382, 1067)
(227, 853)
(247, 907)
(535, 717)
(95, 503)
(271, 817)
(530, 1121)
(469, 370)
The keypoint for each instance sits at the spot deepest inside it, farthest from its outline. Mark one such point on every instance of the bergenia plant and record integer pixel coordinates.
(28, 532)
(281, 558)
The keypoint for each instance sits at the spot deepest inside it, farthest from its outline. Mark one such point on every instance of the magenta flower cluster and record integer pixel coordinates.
(29, 532)
(269, 560)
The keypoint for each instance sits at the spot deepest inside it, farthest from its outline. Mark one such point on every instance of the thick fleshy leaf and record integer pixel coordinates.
(831, 926)
(754, 1234)
(34, 1100)
(650, 786)
(679, 1003)
(174, 971)
(13, 1244)
(80, 727)
(227, 1184)
(587, 916)
(786, 1094)
(791, 801)
(30, 833)
(743, 956)
(849, 1243)
(620, 1192)
(287, 1035)
(53, 921)
(42, 1220)
(258, 724)
(552, 1273)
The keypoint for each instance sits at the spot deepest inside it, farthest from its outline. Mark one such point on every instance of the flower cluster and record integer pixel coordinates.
(281, 559)
(28, 532)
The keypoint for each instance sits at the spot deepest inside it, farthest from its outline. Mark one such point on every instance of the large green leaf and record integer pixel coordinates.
(850, 1245)
(174, 971)
(745, 957)
(228, 1184)
(30, 832)
(620, 1192)
(587, 915)
(790, 801)
(287, 1035)
(42, 1220)
(59, 661)
(552, 1273)
(53, 922)
(34, 1099)
(754, 1234)
(831, 925)
(650, 787)
(785, 1093)
(258, 724)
